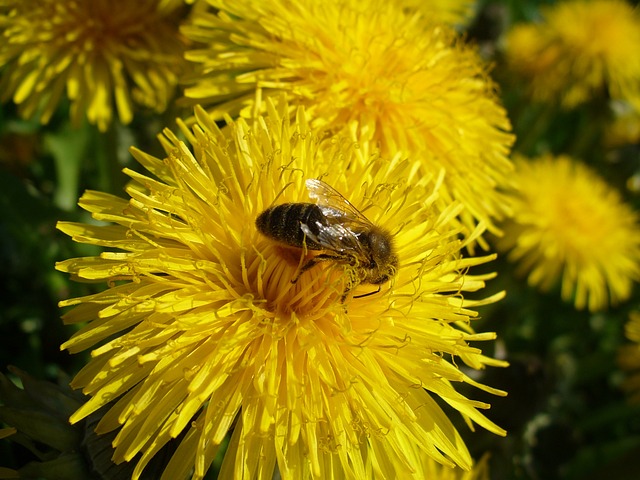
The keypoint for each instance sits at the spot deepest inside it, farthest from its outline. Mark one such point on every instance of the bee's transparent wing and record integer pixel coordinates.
(334, 205)
(343, 219)
(335, 237)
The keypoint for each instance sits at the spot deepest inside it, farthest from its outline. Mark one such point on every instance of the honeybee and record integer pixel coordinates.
(332, 225)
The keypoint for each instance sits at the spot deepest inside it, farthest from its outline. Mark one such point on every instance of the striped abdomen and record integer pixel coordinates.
(282, 223)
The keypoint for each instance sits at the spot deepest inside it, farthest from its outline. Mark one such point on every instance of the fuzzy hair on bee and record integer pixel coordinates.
(335, 227)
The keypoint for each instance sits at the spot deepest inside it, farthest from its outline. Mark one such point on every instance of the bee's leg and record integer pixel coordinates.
(345, 294)
(312, 262)
(370, 293)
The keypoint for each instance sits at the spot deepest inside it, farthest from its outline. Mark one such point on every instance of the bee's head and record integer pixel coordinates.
(383, 260)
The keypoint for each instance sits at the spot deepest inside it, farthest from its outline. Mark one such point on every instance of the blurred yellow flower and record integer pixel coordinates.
(382, 73)
(106, 55)
(583, 49)
(569, 223)
(202, 331)
(629, 358)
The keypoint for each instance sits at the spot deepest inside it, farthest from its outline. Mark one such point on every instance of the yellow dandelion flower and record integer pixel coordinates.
(582, 49)
(629, 358)
(381, 72)
(202, 330)
(569, 223)
(452, 12)
(104, 55)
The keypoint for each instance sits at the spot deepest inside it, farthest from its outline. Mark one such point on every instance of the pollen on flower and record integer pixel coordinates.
(201, 333)
(275, 277)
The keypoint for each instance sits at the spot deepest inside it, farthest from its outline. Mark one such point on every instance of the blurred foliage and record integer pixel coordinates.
(566, 416)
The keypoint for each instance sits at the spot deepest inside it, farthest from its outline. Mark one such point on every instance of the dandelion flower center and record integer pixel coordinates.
(577, 221)
(285, 291)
